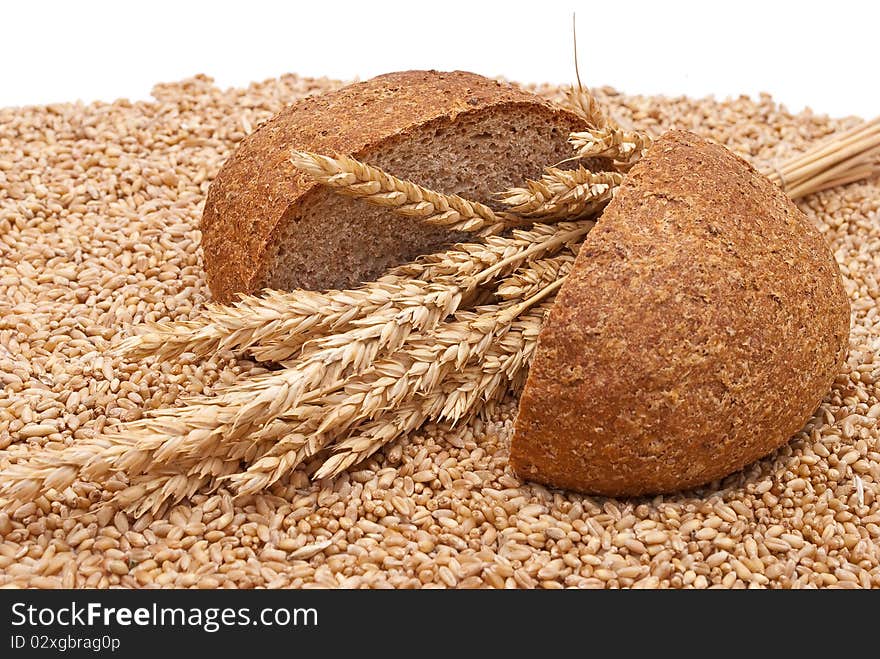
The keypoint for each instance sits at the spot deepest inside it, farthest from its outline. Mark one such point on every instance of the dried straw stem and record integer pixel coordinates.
(842, 158)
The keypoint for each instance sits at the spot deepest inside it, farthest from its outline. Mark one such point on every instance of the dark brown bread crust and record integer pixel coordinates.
(258, 191)
(703, 322)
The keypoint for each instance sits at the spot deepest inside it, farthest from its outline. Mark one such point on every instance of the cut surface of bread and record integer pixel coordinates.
(265, 224)
(703, 322)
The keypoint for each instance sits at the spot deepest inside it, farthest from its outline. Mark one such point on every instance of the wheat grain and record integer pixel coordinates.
(350, 177)
(131, 217)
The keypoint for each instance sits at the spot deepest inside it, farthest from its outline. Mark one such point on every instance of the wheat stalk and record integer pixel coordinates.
(350, 177)
(423, 365)
(464, 346)
(563, 193)
(300, 399)
(275, 326)
(842, 158)
(143, 451)
(420, 369)
(456, 399)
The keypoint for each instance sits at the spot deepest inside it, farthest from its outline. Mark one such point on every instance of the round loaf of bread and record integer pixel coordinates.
(266, 224)
(703, 322)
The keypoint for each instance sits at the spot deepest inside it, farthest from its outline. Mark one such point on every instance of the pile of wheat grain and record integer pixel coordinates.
(99, 207)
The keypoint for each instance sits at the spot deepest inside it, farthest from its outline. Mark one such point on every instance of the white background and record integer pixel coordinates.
(820, 54)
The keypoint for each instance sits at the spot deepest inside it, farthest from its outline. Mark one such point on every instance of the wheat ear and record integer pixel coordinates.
(526, 282)
(581, 101)
(220, 426)
(277, 324)
(392, 384)
(152, 492)
(350, 177)
(455, 399)
(604, 137)
(561, 193)
(464, 349)
(624, 147)
(424, 364)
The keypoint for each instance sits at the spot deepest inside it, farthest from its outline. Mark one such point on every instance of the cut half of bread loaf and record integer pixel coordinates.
(266, 224)
(701, 325)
